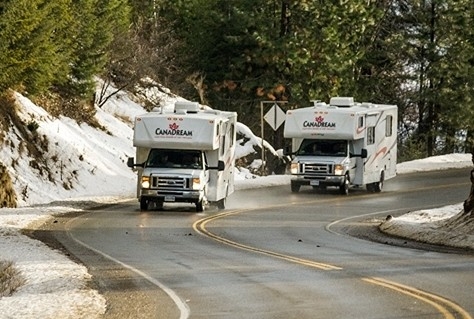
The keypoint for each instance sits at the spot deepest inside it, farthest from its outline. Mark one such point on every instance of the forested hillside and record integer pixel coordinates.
(233, 54)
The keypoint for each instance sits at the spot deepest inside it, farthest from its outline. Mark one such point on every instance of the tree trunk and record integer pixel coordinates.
(285, 18)
(469, 202)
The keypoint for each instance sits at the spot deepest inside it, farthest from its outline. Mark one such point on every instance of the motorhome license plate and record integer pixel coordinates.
(169, 198)
(314, 183)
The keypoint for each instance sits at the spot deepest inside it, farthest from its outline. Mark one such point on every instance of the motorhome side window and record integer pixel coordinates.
(361, 122)
(232, 132)
(223, 146)
(370, 135)
(388, 125)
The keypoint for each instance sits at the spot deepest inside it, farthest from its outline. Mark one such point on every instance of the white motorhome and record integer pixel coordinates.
(184, 155)
(341, 144)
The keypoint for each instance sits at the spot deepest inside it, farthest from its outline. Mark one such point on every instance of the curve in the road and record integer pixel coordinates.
(182, 306)
(445, 307)
(200, 227)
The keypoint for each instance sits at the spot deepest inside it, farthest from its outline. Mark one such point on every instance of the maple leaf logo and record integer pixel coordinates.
(319, 119)
(174, 126)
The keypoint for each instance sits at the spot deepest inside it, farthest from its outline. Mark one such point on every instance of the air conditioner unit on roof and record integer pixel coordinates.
(183, 107)
(342, 101)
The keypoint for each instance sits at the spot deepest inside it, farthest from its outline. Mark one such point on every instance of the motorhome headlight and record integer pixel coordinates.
(145, 182)
(338, 169)
(294, 168)
(196, 183)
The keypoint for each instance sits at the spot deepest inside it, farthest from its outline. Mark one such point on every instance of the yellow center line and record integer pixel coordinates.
(444, 306)
(440, 303)
(200, 227)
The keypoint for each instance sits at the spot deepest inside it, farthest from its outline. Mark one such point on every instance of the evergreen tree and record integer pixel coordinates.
(99, 22)
(33, 50)
(253, 50)
(453, 74)
(438, 54)
(149, 50)
(319, 46)
(144, 11)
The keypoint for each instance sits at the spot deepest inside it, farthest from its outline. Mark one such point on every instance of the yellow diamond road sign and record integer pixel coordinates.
(275, 117)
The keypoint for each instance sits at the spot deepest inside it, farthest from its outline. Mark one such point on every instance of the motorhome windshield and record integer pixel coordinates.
(175, 158)
(323, 148)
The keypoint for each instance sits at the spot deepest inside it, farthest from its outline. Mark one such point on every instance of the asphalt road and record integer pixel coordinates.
(275, 254)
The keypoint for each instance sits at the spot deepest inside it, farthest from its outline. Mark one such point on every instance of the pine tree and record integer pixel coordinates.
(98, 23)
(253, 50)
(33, 50)
(438, 53)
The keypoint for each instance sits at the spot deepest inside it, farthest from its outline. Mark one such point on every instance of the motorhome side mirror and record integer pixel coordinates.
(287, 151)
(220, 165)
(131, 162)
(363, 154)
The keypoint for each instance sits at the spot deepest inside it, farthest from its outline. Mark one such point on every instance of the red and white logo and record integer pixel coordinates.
(319, 123)
(173, 131)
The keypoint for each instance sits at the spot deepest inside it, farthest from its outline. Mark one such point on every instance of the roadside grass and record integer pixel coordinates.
(10, 278)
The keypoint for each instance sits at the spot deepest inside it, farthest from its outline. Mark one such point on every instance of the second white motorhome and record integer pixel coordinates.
(342, 143)
(184, 155)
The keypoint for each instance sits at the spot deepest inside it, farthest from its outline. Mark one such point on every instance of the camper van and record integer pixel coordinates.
(184, 155)
(342, 144)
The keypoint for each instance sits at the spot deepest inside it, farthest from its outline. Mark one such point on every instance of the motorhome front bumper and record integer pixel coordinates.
(334, 180)
(190, 196)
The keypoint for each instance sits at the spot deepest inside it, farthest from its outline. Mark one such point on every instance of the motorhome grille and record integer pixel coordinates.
(317, 169)
(169, 183)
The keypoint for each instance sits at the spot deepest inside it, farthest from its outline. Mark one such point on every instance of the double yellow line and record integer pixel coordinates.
(200, 227)
(447, 308)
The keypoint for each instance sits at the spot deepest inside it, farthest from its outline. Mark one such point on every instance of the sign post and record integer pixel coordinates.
(274, 117)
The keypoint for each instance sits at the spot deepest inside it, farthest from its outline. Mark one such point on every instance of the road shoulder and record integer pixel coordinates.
(128, 295)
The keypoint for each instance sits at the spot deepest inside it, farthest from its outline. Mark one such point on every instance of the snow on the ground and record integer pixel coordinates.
(440, 226)
(435, 163)
(82, 161)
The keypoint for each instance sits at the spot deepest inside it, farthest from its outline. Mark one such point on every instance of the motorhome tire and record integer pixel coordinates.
(295, 188)
(221, 204)
(159, 205)
(377, 186)
(143, 204)
(370, 187)
(344, 188)
(200, 206)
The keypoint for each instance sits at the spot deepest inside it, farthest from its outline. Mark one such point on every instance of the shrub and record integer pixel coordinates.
(32, 126)
(10, 278)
